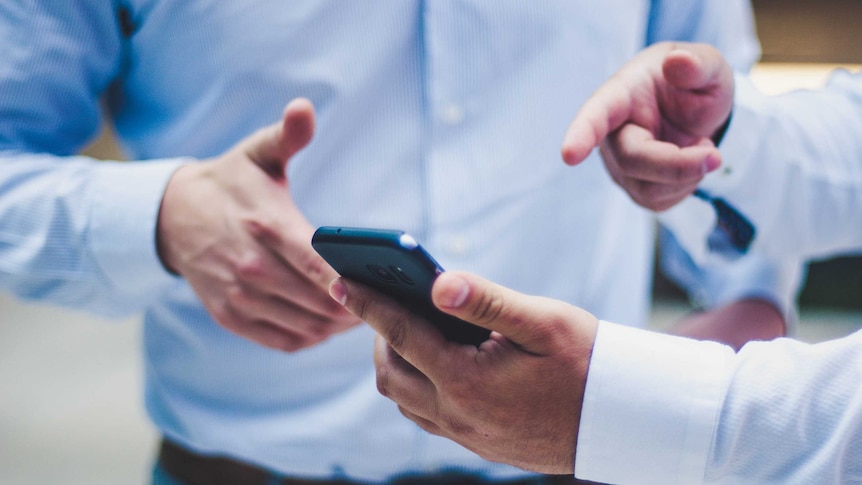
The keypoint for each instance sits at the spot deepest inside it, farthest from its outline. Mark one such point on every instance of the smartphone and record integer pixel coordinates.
(394, 263)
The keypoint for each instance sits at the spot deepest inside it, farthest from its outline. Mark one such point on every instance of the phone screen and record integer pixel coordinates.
(394, 263)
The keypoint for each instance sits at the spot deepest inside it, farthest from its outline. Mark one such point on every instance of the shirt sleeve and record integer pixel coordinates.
(710, 283)
(792, 414)
(718, 280)
(662, 409)
(650, 408)
(793, 165)
(73, 231)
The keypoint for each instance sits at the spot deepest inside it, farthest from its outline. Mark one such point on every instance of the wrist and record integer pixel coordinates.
(172, 198)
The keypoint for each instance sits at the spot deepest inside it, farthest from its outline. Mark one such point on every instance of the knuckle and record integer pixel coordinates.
(644, 193)
(652, 194)
(261, 226)
(625, 157)
(235, 297)
(559, 318)
(288, 343)
(309, 341)
(250, 266)
(384, 379)
(319, 330)
(227, 316)
(398, 334)
(488, 308)
(287, 338)
(314, 266)
(305, 330)
(659, 198)
(655, 206)
(679, 173)
(363, 307)
(682, 172)
(220, 312)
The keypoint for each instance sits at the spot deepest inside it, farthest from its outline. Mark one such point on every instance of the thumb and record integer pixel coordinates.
(528, 321)
(703, 98)
(697, 67)
(271, 147)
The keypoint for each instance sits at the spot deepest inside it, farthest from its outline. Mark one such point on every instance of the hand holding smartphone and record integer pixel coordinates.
(394, 263)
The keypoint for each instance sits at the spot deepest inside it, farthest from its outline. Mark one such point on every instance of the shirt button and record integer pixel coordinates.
(452, 114)
(458, 246)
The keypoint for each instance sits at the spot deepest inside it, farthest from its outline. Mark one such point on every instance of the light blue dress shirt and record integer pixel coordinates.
(442, 118)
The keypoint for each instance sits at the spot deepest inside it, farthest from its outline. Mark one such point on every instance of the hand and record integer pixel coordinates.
(514, 399)
(230, 227)
(654, 121)
(735, 323)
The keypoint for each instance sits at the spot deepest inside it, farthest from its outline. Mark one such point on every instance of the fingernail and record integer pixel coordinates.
(455, 293)
(710, 163)
(338, 291)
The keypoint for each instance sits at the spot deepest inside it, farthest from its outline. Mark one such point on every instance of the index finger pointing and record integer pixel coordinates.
(605, 111)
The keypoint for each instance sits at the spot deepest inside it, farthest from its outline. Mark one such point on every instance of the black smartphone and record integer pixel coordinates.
(394, 263)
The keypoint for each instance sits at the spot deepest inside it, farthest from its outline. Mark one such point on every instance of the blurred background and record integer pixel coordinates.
(70, 384)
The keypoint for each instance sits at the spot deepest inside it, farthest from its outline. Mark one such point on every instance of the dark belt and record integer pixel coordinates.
(192, 468)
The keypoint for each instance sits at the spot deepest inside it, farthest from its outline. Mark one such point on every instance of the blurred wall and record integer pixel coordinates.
(810, 30)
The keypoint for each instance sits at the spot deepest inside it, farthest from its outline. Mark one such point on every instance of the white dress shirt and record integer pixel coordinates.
(666, 410)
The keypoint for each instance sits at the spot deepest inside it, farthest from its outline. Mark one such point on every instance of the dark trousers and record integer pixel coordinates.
(179, 466)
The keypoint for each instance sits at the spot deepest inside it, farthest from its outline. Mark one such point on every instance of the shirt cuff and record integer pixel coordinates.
(693, 219)
(754, 275)
(651, 407)
(124, 213)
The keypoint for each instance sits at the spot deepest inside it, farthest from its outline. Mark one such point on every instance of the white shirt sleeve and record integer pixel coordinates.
(650, 407)
(793, 165)
(662, 409)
